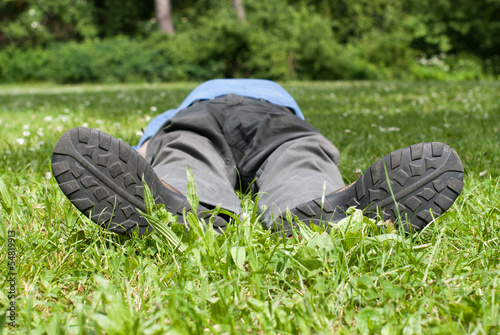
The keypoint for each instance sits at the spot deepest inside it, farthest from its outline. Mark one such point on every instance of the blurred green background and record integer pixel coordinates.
(74, 41)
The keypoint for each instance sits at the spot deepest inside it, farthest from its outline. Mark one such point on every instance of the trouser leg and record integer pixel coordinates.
(297, 172)
(289, 158)
(193, 139)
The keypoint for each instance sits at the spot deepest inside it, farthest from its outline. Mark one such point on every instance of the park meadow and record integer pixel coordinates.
(71, 277)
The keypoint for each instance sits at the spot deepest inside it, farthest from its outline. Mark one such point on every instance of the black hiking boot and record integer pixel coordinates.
(424, 177)
(102, 177)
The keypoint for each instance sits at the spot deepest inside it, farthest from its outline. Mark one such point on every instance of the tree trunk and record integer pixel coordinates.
(164, 16)
(240, 10)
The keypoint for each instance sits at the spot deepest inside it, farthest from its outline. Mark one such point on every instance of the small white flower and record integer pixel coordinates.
(85, 124)
(147, 118)
(48, 175)
(65, 110)
(20, 141)
(26, 133)
(47, 119)
(8, 152)
(393, 129)
(138, 133)
(34, 24)
(347, 131)
(32, 12)
(39, 132)
(116, 125)
(26, 126)
(153, 109)
(98, 121)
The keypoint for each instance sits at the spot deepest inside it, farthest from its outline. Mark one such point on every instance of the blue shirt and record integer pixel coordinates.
(253, 88)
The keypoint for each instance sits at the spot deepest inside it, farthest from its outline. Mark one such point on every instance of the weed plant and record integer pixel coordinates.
(73, 277)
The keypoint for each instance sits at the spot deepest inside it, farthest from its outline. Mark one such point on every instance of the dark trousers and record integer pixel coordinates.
(234, 142)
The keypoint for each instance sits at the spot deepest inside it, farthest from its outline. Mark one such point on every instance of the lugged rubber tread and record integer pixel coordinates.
(77, 171)
(415, 170)
(396, 158)
(437, 149)
(84, 135)
(59, 168)
(102, 177)
(416, 151)
(424, 177)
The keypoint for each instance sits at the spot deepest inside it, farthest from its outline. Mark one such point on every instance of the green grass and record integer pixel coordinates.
(83, 280)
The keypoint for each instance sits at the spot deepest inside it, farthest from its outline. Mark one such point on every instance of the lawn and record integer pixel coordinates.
(73, 277)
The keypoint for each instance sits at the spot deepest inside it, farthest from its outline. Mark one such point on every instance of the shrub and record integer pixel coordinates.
(450, 67)
(280, 42)
(18, 65)
(389, 53)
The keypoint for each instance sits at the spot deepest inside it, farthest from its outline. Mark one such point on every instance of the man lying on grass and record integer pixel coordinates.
(247, 134)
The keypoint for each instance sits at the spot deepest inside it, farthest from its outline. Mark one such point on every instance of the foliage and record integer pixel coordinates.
(116, 41)
(450, 67)
(34, 23)
(277, 51)
(456, 26)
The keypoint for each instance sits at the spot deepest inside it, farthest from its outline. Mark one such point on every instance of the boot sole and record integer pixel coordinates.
(102, 177)
(424, 177)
